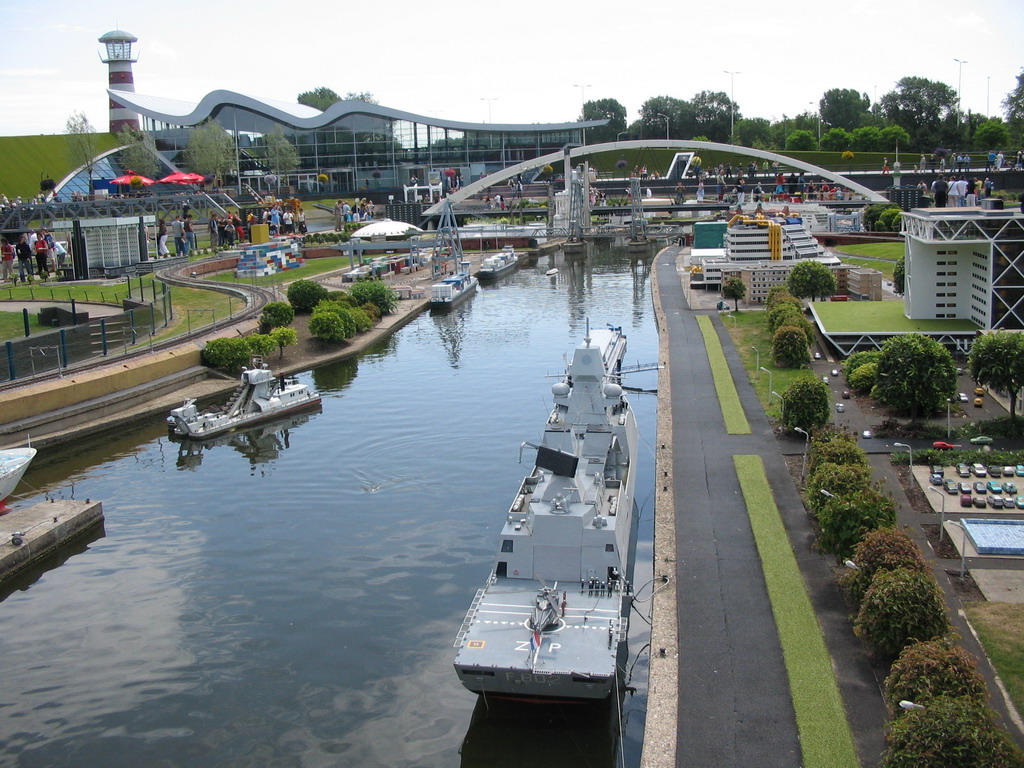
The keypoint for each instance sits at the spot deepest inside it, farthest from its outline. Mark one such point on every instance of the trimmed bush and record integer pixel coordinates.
(841, 480)
(375, 292)
(862, 378)
(901, 607)
(949, 733)
(372, 311)
(845, 520)
(361, 319)
(933, 668)
(303, 295)
(277, 314)
(884, 549)
(833, 446)
(857, 359)
(230, 354)
(260, 344)
(328, 326)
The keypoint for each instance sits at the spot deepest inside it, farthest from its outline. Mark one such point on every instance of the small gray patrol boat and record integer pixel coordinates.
(551, 622)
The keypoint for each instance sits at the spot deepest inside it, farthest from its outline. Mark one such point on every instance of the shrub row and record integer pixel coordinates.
(901, 613)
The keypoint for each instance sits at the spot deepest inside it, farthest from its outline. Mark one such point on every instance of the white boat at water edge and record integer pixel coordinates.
(259, 396)
(13, 463)
(453, 289)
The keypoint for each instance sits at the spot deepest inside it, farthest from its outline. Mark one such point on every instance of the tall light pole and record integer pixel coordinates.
(732, 100)
(963, 548)
(959, 82)
(770, 387)
(489, 99)
(758, 363)
(781, 400)
(948, 401)
(666, 124)
(942, 512)
(910, 451)
(807, 442)
(818, 113)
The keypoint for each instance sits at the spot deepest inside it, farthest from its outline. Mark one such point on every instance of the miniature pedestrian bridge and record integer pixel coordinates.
(570, 153)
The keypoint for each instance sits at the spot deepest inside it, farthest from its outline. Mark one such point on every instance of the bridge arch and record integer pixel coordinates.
(576, 152)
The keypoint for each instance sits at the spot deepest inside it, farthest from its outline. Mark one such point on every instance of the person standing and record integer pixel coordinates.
(953, 193)
(42, 249)
(24, 253)
(940, 189)
(339, 216)
(161, 239)
(213, 225)
(6, 260)
(178, 233)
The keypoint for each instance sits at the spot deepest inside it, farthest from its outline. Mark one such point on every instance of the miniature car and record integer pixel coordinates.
(981, 440)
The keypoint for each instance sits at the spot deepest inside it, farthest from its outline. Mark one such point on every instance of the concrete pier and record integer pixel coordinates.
(28, 534)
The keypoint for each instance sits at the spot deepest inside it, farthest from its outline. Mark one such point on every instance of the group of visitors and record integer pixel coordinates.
(345, 213)
(958, 191)
(48, 254)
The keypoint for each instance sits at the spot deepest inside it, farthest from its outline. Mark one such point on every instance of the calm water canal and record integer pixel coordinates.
(289, 596)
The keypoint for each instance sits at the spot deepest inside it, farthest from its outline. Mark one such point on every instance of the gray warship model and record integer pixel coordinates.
(551, 622)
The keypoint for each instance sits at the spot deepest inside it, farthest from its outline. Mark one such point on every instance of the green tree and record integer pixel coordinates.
(138, 152)
(857, 359)
(831, 446)
(230, 353)
(899, 275)
(901, 607)
(806, 403)
(810, 278)
(951, 732)
(916, 375)
(276, 314)
(992, 133)
(81, 144)
(778, 294)
(845, 519)
(281, 153)
(604, 109)
(836, 140)
(364, 96)
(210, 150)
(303, 295)
(681, 118)
(789, 347)
(801, 140)
(260, 344)
(1014, 102)
(926, 109)
(867, 138)
(753, 132)
(284, 337)
(318, 98)
(330, 323)
(734, 290)
(892, 138)
(843, 108)
(997, 361)
(714, 113)
(375, 292)
(890, 219)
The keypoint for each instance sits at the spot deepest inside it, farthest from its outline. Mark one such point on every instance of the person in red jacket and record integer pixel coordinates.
(42, 255)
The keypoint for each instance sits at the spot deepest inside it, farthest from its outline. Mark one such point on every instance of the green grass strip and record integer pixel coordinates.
(728, 399)
(825, 737)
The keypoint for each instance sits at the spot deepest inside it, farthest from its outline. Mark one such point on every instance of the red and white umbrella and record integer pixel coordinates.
(180, 177)
(127, 179)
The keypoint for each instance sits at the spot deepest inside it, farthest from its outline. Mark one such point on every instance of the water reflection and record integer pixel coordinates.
(260, 444)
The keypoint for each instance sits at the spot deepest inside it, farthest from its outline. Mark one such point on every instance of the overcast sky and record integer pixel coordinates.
(518, 62)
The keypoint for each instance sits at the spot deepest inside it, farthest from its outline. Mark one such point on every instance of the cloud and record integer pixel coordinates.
(28, 72)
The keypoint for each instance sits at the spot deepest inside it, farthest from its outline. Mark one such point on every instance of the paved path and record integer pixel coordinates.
(734, 702)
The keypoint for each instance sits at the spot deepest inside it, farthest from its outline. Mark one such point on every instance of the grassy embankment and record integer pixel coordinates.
(748, 331)
(825, 738)
(1001, 629)
(728, 399)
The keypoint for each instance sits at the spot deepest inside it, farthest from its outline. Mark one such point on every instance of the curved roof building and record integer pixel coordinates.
(357, 145)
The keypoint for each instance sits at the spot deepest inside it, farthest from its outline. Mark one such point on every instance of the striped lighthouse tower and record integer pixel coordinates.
(119, 62)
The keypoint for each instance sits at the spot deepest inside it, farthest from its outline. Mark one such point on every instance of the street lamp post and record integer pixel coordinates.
(620, 134)
(489, 99)
(732, 101)
(959, 81)
(910, 451)
(807, 441)
(758, 353)
(666, 124)
(942, 511)
(963, 548)
(948, 401)
(583, 104)
(783, 401)
(770, 387)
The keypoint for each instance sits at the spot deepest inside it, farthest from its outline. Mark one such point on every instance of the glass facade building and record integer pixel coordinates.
(356, 145)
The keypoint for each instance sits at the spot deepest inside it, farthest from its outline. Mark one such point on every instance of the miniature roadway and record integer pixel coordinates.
(734, 705)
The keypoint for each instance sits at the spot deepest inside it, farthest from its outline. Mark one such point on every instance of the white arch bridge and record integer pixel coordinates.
(585, 151)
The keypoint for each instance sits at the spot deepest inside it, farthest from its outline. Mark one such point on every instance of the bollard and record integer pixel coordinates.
(24, 317)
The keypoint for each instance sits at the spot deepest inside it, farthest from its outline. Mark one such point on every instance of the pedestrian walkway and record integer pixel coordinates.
(734, 703)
